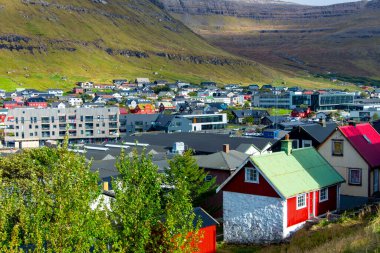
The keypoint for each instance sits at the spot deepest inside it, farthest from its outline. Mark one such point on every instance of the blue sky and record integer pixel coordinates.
(319, 2)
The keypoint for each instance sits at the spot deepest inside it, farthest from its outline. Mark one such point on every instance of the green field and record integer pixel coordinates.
(59, 45)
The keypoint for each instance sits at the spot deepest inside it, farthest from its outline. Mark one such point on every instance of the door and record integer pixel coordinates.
(310, 204)
(376, 180)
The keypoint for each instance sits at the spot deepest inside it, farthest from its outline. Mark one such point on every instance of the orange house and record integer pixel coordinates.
(143, 109)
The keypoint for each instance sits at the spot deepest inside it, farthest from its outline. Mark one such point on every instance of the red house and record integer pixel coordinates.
(36, 102)
(207, 242)
(11, 104)
(143, 109)
(300, 112)
(78, 90)
(271, 196)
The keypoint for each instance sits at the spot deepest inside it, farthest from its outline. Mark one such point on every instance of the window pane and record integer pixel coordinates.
(355, 176)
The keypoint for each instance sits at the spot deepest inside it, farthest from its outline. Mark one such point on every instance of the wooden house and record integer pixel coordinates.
(354, 151)
(271, 196)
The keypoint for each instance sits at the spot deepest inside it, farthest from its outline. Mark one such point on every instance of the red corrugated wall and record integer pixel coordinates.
(207, 243)
(329, 205)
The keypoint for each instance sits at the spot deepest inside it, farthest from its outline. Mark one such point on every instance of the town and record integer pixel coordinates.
(251, 140)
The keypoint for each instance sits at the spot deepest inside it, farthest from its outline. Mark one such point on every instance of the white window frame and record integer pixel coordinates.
(326, 194)
(349, 176)
(248, 180)
(307, 142)
(297, 201)
(333, 150)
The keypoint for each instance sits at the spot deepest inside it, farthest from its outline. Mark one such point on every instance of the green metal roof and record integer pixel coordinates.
(303, 170)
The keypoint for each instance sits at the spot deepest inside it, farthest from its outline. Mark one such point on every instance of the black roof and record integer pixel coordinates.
(376, 125)
(207, 220)
(36, 99)
(201, 143)
(318, 132)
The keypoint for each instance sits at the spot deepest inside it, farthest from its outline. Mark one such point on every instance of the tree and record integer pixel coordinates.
(375, 116)
(149, 214)
(248, 120)
(230, 116)
(157, 89)
(185, 168)
(247, 105)
(44, 205)
(192, 94)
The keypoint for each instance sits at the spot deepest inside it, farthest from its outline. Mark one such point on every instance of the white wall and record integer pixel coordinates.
(252, 219)
(350, 159)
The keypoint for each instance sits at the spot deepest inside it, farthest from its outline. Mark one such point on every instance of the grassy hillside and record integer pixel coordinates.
(64, 41)
(57, 43)
(344, 43)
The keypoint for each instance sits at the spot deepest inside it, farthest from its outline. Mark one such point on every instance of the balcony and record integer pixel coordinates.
(113, 118)
(113, 125)
(45, 134)
(89, 126)
(45, 126)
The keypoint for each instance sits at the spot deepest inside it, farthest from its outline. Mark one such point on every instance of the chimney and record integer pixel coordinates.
(226, 148)
(105, 186)
(286, 145)
(322, 122)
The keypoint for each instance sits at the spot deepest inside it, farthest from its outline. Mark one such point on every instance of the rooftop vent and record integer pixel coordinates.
(367, 139)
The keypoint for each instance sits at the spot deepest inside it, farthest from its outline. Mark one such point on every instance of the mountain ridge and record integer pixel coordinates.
(56, 43)
(340, 38)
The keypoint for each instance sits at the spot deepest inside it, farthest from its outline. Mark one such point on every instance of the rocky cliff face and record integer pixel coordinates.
(258, 9)
(41, 40)
(340, 38)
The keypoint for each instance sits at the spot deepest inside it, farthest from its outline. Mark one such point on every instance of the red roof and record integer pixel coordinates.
(123, 111)
(366, 140)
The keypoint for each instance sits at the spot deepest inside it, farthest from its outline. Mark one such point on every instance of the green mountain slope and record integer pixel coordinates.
(342, 38)
(58, 42)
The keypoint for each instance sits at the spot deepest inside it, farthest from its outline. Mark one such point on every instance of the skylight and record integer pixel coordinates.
(366, 138)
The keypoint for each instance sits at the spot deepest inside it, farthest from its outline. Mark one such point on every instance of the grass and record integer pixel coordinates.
(147, 29)
(348, 234)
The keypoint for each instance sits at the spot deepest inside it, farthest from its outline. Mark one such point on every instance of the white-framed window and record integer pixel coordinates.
(301, 201)
(354, 176)
(337, 147)
(251, 175)
(323, 194)
(307, 143)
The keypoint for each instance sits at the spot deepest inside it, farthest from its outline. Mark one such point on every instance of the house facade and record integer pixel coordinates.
(354, 153)
(271, 196)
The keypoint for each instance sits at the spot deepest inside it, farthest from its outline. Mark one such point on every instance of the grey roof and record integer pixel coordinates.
(243, 147)
(292, 124)
(222, 160)
(164, 120)
(201, 143)
(250, 113)
(277, 119)
(105, 168)
(318, 132)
